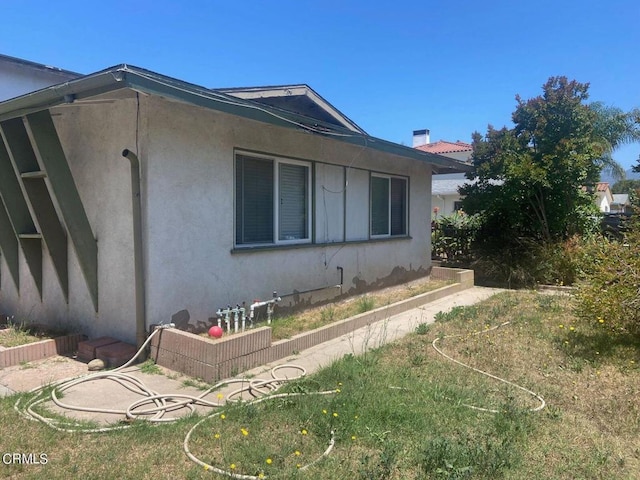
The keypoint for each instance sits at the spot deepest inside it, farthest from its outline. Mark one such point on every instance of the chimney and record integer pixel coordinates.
(420, 137)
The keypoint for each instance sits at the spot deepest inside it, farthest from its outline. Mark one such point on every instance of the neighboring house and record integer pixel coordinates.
(18, 76)
(445, 198)
(445, 194)
(603, 197)
(621, 203)
(237, 193)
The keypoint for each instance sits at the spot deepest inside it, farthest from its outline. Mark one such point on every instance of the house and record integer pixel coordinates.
(18, 76)
(621, 203)
(445, 198)
(129, 197)
(603, 197)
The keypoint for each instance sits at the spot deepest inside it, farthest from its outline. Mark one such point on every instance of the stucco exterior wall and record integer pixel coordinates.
(16, 79)
(187, 167)
(445, 204)
(92, 137)
(189, 217)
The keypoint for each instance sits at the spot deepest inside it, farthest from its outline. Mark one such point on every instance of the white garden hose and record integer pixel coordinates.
(153, 406)
(482, 372)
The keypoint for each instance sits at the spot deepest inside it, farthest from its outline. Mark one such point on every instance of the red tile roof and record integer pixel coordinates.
(602, 186)
(442, 146)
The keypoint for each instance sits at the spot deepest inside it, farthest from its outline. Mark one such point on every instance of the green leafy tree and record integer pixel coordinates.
(530, 178)
(614, 127)
(625, 186)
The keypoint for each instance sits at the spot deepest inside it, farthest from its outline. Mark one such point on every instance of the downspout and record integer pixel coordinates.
(138, 263)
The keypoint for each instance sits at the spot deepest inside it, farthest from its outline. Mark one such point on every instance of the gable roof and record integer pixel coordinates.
(621, 198)
(442, 146)
(300, 99)
(27, 64)
(138, 79)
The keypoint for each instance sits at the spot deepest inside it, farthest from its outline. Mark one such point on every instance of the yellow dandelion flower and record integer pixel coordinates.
(324, 411)
(244, 431)
(600, 320)
(223, 416)
(261, 475)
(206, 467)
(303, 431)
(561, 326)
(298, 465)
(269, 461)
(339, 384)
(220, 396)
(571, 328)
(356, 417)
(353, 437)
(297, 453)
(216, 436)
(337, 390)
(335, 414)
(232, 466)
(566, 342)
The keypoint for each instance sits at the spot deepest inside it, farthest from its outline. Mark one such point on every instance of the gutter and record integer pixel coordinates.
(141, 80)
(138, 261)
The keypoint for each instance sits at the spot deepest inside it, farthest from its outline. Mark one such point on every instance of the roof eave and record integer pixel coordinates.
(124, 76)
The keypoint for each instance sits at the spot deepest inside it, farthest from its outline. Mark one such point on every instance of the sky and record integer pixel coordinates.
(450, 66)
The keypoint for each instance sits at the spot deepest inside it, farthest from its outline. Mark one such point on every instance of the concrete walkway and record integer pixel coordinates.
(108, 394)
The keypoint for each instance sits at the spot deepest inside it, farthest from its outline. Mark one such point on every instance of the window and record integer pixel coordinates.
(388, 206)
(272, 201)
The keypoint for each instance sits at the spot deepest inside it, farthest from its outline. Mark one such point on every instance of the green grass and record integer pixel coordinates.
(400, 411)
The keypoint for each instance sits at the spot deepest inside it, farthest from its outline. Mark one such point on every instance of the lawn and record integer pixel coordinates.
(402, 411)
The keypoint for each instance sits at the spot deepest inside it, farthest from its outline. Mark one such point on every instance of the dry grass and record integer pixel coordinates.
(16, 334)
(409, 402)
(312, 318)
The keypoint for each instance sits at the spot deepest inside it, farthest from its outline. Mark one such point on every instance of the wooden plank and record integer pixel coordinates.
(52, 160)
(9, 245)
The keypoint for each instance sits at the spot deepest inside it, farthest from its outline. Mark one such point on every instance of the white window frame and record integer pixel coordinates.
(277, 161)
(276, 199)
(406, 206)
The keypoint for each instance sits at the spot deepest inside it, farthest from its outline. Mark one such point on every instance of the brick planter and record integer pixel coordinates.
(213, 360)
(39, 350)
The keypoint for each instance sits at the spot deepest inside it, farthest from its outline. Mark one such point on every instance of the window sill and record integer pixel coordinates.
(263, 248)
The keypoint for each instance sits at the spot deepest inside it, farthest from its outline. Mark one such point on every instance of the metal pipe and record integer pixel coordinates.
(138, 260)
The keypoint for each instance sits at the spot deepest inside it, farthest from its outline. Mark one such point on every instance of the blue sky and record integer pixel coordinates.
(392, 67)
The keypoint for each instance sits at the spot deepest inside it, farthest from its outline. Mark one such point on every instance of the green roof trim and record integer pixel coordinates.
(127, 76)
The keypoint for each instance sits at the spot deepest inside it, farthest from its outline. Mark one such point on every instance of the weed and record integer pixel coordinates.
(422, 329)
(328, 313)
(365, 303)
(150, 367)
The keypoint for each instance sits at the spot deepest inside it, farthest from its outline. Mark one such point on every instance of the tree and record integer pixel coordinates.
(614, 128)
(530, 178)
(626, 186)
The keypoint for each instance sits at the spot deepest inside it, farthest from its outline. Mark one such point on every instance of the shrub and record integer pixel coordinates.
(452, 236)
(609, 288)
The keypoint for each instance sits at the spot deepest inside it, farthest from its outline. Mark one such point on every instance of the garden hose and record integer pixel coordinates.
(153, 406)
(482, 372)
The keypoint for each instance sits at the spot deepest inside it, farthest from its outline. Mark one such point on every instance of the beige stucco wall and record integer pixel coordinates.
(190, 216)
(187, 166)
(92, 137)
